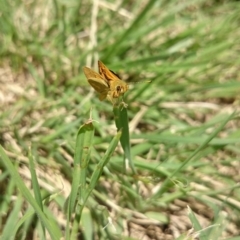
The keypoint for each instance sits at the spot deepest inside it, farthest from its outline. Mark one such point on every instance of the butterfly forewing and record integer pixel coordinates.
(99, 84)
(106, 73)
(89, 73)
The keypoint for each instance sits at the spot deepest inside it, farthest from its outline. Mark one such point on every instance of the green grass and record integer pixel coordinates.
(75, 167)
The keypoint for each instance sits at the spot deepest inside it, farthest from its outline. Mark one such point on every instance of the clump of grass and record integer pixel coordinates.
(179, 134)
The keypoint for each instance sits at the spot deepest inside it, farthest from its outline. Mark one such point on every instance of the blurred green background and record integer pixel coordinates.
(184, 124)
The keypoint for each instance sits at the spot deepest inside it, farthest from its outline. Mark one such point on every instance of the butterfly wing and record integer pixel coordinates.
(106, 73)
(89, 73)
(99, 86)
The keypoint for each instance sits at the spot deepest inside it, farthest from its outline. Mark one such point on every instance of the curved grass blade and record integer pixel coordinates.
(81, 161)
(51, 226)
(86, 191)
(202, 146)
(121, 121)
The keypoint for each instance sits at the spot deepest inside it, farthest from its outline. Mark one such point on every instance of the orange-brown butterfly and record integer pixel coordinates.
(106, 82)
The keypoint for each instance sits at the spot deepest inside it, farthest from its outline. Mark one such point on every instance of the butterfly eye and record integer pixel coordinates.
(118, 88)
